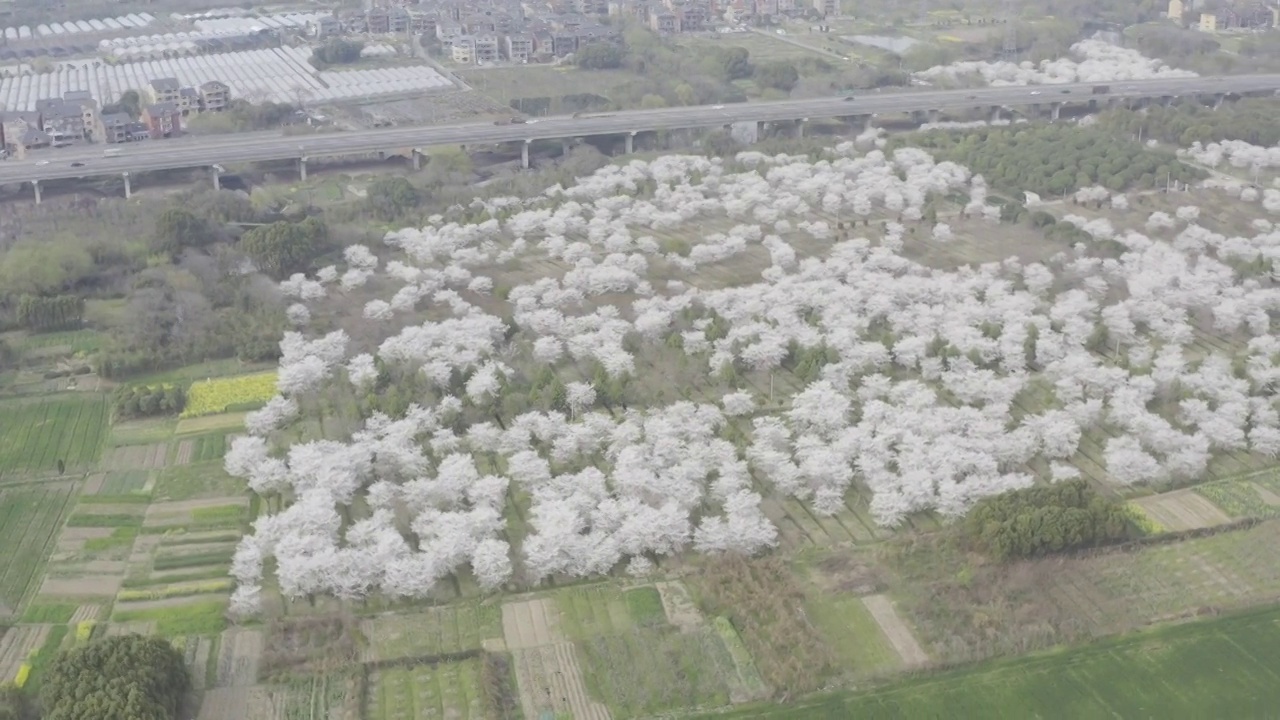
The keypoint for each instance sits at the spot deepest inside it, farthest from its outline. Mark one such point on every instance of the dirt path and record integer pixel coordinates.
(85, 586)
(899, 635)
(238, 657)
(547, 670)
(1182, 510)
(1267, 496)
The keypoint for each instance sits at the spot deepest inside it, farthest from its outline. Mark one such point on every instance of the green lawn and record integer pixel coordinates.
(30, 517)
(1212, 669)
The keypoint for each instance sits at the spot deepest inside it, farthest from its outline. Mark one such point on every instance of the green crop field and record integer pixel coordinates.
(37, 434)
(1212, 669)
(433, 632)
(444, 690)
(30, 517)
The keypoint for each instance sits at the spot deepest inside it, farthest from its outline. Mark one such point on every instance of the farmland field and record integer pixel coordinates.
(431, 632)
(424, 692)
(1208, 669)
(30, 518)
(36, 434)
(218, 395)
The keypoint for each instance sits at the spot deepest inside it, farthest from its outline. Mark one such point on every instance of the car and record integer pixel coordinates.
(1035, 92)
(1065, 92)
(77, 164)
(43, 162)
(848, 98)
(970, 97)
(717, 107)
(530, 122)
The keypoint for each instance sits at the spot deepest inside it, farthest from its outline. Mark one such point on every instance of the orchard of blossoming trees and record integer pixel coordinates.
(916, 391)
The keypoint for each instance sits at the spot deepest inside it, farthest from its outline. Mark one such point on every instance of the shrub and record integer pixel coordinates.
(146, 401)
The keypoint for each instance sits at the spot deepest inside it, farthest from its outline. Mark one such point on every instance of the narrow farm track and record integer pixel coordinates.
(899, 635)
(17, 643)
(547, 671)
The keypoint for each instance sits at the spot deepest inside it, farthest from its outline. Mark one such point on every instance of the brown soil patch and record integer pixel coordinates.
(680, 609)
(143, 548)
(1267, 495)
(93, 483)
(86, 586)
(186, 449)
(547, 671)
(899, 635)
(1182, 510)
(238, 657)
(16, 644)
(85, 533)
(186, 506)
(85, 612)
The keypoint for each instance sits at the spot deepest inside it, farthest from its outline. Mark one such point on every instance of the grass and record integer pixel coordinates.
(198, 480)
(1237, 498)
(748, 675)
(315, 696)
(589, 611)
(141, 432)
(123, 484)
(645, 606)
(53, 613)
(164, 592)
(200, 618)
(177, 562)
(213, 573)
(220, 515)
(648, 671)
(104, 520)
(37, 434)
(130, 499)
(230, 421)
(1214, 668)
(119, 537)
(852, 633)
(43, 657)
(444, 690)
(30, 516)
(434, 631)
(76, 341)
(210, 447)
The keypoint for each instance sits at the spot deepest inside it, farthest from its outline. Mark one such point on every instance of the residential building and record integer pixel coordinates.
(72, 117)
(163, 90)
(214, 96)
(664, 22)
(353, 22)
(378, 21)
(828, 8)
(1175, 10)
(591, 7)
(519, 48)
(136, 131)
(14, 126)
(188, 101)
(463, 49)
(486, 48)
(162, 119)
(399, 20)
(324, 26)
(423, 22)
(692, 19)
(447, 31)
(115, 128)
(1208, 22)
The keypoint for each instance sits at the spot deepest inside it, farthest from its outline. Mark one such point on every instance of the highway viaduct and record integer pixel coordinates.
(215, 152)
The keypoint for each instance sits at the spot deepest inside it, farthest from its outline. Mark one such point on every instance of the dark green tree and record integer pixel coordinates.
(779, 75)
(178, 228)
(599, 56)
(391, 197)
(283, 248)
(127, 676)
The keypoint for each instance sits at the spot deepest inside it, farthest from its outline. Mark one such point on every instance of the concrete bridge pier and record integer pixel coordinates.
(524, 154)
(1055, 111)
(1218, 99)
(995, 113)
(36, 184)
(800, 127)
(629, 142)
(217, 178)
(415, 156)
(302, 168)
(128, 187)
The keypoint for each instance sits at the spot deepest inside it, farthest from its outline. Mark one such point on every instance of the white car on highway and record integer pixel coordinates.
(717, 107)
(1035, 92)
(43, 162)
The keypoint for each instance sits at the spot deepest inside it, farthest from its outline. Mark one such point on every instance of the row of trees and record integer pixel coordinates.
(1250, 120)
(1045, 519)
(1052, 159)
(50, 313)
(145, 401)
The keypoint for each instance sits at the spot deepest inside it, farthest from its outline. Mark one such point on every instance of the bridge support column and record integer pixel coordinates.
(1218, 100)
(302, 168)
(217, 179)
(800, 127)
(1055, 111)
(128, 187)
(416, 157)
(629, 141)
(36, 184)
(935, 116)
(995, 114)
(524, 154)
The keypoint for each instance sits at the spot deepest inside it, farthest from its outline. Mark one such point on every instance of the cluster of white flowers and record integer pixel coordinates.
(1093, 61)
(932, 393)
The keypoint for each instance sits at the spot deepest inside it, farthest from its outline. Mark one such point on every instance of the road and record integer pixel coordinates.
(194, 152)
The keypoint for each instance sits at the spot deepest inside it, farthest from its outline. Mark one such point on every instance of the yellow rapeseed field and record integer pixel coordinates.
(210, 397)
